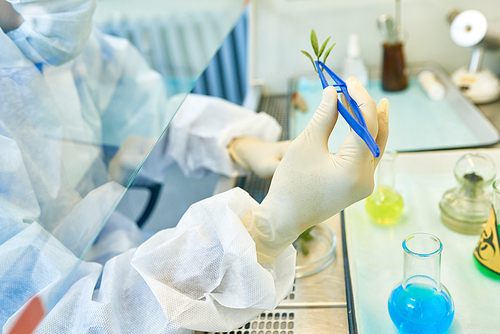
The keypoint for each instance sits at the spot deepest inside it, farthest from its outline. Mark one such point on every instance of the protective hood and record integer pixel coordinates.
(53, 32)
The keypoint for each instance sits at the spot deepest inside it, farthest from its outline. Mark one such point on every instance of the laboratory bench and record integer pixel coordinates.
(330, 301)
(492, 112)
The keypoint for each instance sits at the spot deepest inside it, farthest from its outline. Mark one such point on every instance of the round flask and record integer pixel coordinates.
(466, 208)
(421, 304)
(385, 205)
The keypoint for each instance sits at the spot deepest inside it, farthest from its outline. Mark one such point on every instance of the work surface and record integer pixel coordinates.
(416, 122)
(427, 163)
(376, 255)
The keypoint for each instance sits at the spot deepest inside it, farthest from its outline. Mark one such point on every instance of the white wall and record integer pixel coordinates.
(282, 29)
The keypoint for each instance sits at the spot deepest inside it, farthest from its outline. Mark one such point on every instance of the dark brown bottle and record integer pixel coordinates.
(393, 72)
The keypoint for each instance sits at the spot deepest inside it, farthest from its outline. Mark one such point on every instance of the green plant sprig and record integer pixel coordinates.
(317, 50)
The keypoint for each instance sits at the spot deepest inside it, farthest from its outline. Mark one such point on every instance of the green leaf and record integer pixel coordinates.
(312, 60)
(324, 46)
(303, 247)
(314, 42)
(328, 52)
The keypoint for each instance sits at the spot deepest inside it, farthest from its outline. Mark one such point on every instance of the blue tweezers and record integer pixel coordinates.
(358, 126)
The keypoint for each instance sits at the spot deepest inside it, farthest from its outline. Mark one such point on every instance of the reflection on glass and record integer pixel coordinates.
(80, 110)
(176, 40)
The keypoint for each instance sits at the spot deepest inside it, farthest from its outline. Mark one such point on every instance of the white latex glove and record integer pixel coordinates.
(311, 184)
(260, 157)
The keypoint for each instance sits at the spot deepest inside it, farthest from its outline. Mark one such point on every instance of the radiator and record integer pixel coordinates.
(179, 47)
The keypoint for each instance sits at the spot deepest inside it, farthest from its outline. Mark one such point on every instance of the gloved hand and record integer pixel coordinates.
(260, 157)
(311, 184)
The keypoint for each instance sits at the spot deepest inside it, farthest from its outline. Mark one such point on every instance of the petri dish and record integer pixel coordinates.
(321, 251)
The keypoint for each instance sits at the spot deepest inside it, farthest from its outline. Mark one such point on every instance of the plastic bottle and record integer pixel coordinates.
(353, 64)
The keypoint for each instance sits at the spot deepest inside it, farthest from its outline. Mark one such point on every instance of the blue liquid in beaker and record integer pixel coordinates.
(420, 308)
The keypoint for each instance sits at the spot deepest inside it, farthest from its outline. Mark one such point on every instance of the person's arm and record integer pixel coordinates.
(207, 265)
(203, 275)
(205, 127)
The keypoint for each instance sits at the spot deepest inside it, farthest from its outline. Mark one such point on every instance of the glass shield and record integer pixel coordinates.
(85, 95)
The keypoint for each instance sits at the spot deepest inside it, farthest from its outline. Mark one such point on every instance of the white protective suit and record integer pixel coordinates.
(202, 275)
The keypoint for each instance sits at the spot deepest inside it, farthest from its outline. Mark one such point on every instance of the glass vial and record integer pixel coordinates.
(466, 207)
(394, 68)
(487, 251)
(385, 205)
(421, 304)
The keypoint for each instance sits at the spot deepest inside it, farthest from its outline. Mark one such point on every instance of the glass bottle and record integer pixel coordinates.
(385, 205)
(486, 253)
(421, 304)
(466, 208)
(393, 70)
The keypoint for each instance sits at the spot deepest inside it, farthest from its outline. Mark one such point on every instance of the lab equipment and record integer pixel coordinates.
(466, 208)
(359, 125)
(353, 65)
(487, 251)
(431, 85)
(421, 304)
(385, 24)
(456, 123)
(320, 251)
(471, 29)
(385, 206)
(393, 70)
(394, 76)
(376, 266)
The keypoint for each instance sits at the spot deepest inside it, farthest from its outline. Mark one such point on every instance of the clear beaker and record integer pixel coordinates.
(421, 304)
(487, 251)
(385, 205)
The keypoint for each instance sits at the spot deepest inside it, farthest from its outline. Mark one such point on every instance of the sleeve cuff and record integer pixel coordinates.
(208, 265)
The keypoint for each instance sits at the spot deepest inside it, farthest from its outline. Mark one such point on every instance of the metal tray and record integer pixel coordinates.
(416, 122)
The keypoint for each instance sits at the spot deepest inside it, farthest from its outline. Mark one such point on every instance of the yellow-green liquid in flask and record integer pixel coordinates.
(384, 206)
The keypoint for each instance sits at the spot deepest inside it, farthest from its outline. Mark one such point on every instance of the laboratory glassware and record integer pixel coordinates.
(486, 253)
(394, 68)
(320, 251)
(359, 125)
(394, 72)
(385, 205)
(466, 208)
(421, 304)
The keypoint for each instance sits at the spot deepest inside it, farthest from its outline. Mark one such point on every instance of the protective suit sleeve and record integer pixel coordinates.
(203, 128)
(205, 273)
(54, 31)
(202, 275)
